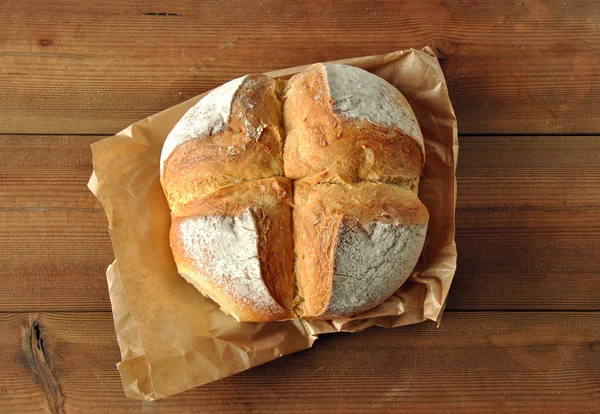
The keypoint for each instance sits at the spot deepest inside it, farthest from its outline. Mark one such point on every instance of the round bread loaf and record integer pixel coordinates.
(297, 198)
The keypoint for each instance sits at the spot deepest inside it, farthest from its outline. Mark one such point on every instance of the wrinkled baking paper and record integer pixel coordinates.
(171, 337)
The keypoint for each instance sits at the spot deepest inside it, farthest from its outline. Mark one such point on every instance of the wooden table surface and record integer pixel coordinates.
(521, 332)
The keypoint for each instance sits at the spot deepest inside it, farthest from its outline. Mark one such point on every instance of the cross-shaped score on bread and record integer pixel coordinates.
(297, 198)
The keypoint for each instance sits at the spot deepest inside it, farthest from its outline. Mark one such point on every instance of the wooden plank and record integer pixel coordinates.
(54, 260)
(475, 362)
(528, 226)
(528, 223)
(80, 67)
(46, 172)
(54, 244)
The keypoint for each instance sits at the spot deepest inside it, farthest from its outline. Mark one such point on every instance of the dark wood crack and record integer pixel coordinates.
(38, 364)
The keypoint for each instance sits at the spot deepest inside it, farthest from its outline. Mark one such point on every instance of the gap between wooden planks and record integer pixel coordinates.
(475, 362)
(528, 229)
(81, 67)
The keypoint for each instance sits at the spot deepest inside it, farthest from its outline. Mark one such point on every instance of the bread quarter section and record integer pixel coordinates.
(355, 244)
(236, 247)
(347, 125)
(231, 135)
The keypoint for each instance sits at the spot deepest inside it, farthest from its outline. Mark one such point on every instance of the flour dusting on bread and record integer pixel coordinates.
(371, 261)
(358, 94)
(208, 117)
(225, 251)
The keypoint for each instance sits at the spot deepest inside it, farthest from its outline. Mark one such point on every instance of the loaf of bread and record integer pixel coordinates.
(296, 198)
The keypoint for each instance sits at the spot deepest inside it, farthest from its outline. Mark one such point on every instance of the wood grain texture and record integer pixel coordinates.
(475, 362)
(528, 226)
(528, 223)
(95, 67)
(528, 213)
(54, 244)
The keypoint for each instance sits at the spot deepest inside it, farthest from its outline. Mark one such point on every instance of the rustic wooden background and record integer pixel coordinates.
(522, 326)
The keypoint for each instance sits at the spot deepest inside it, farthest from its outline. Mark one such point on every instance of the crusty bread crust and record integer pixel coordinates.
(346, 237)
(247, 145)
(355, 244)
(340, 142)
(236, 246)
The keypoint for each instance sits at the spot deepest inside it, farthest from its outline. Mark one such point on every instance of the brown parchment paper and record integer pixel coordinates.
(171, 337)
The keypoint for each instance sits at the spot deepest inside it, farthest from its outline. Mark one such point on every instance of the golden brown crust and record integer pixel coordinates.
(320, 142)
(231, 200)
(366, 201)
(321, 210)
